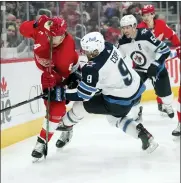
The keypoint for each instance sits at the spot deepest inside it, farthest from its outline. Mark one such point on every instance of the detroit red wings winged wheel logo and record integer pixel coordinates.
(3, 85)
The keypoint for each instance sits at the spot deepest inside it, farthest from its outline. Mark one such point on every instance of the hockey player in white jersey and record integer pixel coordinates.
(149, 55)
(121, 89)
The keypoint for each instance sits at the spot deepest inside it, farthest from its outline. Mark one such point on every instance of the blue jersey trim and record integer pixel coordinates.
(128, 101)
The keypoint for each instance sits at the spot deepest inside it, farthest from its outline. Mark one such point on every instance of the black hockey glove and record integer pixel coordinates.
(56, 94)
(153, 70)
(73, 80)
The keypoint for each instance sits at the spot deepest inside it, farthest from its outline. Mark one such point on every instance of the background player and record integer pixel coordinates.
(64, 60)
(149, 55)
(161, 31)
(121, 89)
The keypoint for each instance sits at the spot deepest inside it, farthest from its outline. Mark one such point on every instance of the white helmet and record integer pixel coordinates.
(128, 20)
(93, 41)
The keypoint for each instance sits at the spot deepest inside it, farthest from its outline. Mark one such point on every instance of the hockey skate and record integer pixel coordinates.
(64, 138)
(166, 110)
(62, 127)
(147, 139)
(39, 150)
(176, 133)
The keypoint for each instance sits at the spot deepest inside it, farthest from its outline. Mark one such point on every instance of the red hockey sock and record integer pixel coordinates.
(43, 134)
(159, 100)
(179, 117)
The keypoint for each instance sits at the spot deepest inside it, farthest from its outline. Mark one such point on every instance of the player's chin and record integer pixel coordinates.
(55, 45)
(146, 21)
(128, 35)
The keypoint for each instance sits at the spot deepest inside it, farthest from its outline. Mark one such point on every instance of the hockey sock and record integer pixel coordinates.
(76, 114)
(52, 127)
(128, 125)
(167, 100)
(159, 100)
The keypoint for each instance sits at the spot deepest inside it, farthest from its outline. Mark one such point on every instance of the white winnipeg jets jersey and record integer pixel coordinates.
(144, 49)
(108, 73)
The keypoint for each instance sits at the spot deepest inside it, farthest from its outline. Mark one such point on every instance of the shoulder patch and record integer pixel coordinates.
(144, 31)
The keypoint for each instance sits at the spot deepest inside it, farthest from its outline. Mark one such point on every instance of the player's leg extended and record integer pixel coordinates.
(163, 90)
(177, 132)
(57, 110)
(78, 111)
(71, 118)
(133, 128)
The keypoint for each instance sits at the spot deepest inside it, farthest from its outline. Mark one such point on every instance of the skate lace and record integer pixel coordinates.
(65, 136)
(39, 147)
(169, 109)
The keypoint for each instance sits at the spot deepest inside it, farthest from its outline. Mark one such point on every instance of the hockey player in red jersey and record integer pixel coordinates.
(161, 30)
(64, 61)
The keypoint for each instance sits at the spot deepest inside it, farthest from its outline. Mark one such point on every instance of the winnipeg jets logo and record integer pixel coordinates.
(138, 58)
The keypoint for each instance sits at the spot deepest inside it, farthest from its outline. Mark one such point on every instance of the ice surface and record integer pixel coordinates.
(99, 153)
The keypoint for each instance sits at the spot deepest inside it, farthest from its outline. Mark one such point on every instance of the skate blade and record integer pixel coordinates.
(152, 147)
(176, 138)
(164, 114)
(35, 160)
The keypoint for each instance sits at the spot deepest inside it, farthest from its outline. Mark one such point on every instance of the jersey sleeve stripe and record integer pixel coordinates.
(160, 46)
(84, 91)
(86, 87)
(164, 50)
(84, 96)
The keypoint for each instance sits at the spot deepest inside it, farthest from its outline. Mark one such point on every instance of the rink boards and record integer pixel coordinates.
(20, 80)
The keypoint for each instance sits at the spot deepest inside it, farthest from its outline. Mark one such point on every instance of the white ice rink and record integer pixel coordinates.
(99, 153)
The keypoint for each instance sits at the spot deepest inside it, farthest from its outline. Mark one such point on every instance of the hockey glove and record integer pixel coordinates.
(73, 80)
(153, 70)
(56, 94)
(48, 80)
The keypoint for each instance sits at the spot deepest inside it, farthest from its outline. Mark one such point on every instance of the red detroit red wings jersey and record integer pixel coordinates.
(64, 56)
(162, 31)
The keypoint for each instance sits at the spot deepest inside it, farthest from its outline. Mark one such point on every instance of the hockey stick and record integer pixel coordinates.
(48, 102)
(23, 103)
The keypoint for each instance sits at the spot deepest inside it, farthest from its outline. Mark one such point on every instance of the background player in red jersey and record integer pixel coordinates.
(64, 61)
(161, 30)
